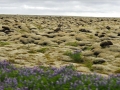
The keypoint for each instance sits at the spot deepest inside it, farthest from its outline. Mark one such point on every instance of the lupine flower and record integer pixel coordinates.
(53, 78)
(1, 87)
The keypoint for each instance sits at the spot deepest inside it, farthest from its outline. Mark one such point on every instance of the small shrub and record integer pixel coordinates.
(76, 55)
(88, 63)
(4, 43)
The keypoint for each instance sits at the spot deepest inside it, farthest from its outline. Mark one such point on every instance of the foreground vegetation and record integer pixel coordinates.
(50, 78)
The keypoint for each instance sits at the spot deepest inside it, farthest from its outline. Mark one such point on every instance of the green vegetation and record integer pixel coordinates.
(72, 44)
(67, 53)
(42, 50)
(88, 48)
(39, 27)
(4, 43)
(76, 56)
(32, 51)
(52, 78)
(88, 63)
(91, 36)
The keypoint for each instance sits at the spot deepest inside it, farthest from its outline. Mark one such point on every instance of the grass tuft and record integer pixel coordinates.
(76, 55)
(4, 43)
(42, 50)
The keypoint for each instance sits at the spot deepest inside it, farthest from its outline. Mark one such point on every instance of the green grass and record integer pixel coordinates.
(42, 50)
(88, 63)
(76, 57)
(88, 48)
(4, 43)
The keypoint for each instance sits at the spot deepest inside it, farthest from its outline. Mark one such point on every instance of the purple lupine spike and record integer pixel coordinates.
(1, 87)
(15, 81)
(18, 89)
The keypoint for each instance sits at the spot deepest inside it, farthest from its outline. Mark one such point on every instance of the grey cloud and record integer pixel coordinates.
(72, 7)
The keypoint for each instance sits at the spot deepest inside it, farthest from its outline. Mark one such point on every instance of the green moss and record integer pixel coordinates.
(4, 43)
(72, 44)
(32, 51)
(11, 60)
(117, 71)
(117, 56)
(91, 36)
(39, 26)
(67, 53)
(88, 63)
(42, 50)
(23, 31)
(88, 48)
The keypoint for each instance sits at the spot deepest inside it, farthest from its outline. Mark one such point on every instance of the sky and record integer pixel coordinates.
(90, 8)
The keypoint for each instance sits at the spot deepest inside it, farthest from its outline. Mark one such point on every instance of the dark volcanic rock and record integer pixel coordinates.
(57, 29)
(6, 29)
(84, 30)
(25, 36)
(96, 52)
(108, 27)
(99, 61)
(96, 34)
(119, 34)
(102, 35)
(25, 40)
(106, 43)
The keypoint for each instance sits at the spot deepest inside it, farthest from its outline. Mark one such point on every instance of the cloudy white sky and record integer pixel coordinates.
(97, 8)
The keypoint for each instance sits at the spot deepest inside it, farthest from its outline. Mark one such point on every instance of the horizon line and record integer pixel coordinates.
(62, 15)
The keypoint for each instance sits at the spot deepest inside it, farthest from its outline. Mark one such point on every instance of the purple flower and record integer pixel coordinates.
(18, 89)
(1, 87)
(11, 82)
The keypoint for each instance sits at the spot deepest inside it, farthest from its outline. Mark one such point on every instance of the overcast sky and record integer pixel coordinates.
(98, 8)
